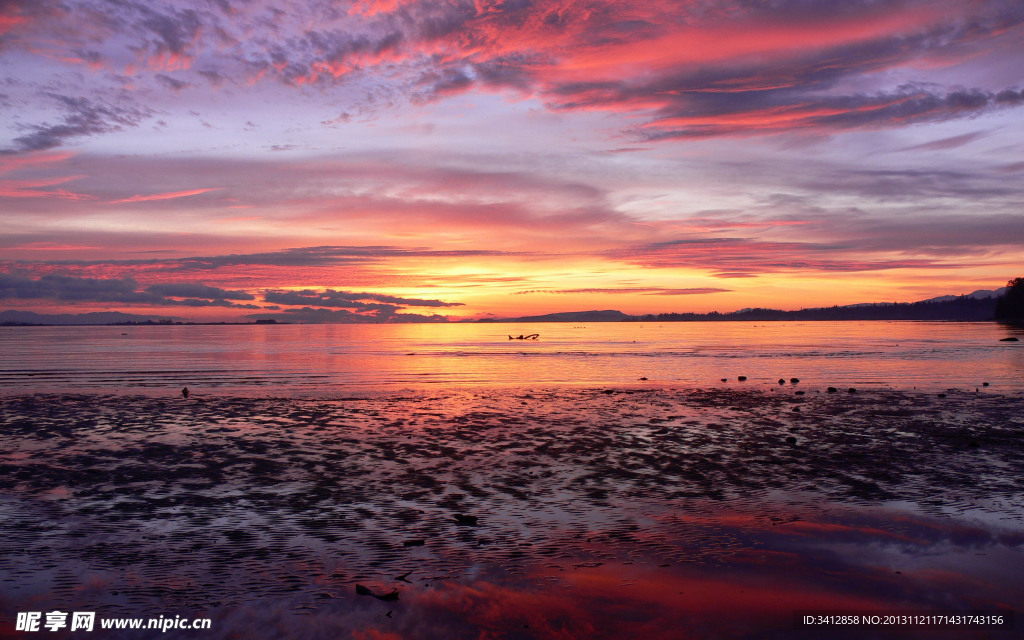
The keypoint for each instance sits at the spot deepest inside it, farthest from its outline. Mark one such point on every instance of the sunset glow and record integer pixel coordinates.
(406, 160)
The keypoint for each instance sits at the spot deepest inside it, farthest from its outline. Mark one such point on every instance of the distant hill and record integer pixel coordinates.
(980, 294)
(12, 317)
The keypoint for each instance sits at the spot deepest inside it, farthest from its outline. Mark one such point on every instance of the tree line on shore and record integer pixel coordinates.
(1010, 307)
(1007, 308)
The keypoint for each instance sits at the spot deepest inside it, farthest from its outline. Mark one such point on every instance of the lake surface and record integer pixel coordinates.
(318, 360)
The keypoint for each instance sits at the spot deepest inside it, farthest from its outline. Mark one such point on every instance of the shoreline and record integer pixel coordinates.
(136, 503)
(768, 386)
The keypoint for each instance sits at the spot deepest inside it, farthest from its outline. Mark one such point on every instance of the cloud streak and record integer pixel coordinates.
(81, 117)
(746, 257)
(164, 196)
(118, 290)
(348, 299)
(381, 315)
(655, 291)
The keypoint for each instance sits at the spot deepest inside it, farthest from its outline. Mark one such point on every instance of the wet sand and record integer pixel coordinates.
(601, 513)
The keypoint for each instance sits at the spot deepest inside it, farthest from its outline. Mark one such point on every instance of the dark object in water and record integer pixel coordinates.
(236, 535)
(464, 520)
(984, 384)
(782, 381)
(741, 378)
(852, 390)
(184, 392)
(831, 390)
(641, 378)
(387, 597)
(799, 393)
(1010, 339)
(532, 336)
(791, 440)
(794, 380)
(942, 395)
(414, 543)
(725, 379)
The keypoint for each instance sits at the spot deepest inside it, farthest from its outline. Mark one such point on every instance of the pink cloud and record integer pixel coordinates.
(36, 188)
(9, 20)
(9, 163)
(744, 257)
(166, 196)
(33, 189)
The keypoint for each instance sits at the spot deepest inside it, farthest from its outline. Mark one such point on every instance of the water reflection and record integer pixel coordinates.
(710, 573)
(315, 360)
(843, 560)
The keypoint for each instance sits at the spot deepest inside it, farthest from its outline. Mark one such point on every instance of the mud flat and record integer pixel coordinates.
(601, 513)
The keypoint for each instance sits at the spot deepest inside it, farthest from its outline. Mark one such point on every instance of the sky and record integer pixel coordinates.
(408, 160)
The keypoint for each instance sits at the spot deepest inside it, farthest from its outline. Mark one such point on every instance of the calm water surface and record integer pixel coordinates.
(324, 359)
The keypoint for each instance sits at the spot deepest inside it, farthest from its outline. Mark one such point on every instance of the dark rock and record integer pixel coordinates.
(794, 380)
(413, 543)
(852, 390)
(781, 381)
(741, 378)
(832, 390)
(790, 439)
(1010, 339)
(387, 597)
(237, 535)
(465, 520)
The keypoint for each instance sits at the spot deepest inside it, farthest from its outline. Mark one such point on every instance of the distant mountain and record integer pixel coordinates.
(12, 317)
(607, 315)
(975, 306)
(980, 294)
